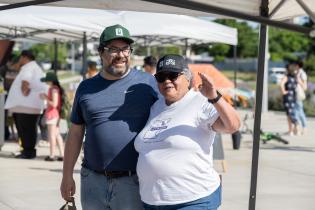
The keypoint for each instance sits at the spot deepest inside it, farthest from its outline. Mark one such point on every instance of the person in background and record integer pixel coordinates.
(301, 78)
(175, 164)
(92, 70)
(288, 86)
(54, 103)
(111, 108)
(24, 103)
(8, 72)
(149, 64)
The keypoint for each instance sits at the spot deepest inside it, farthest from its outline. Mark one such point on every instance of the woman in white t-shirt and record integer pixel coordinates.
(175, 165)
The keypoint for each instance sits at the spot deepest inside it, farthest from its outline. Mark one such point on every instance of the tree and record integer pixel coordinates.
(287, 45)
(247, 42)
(45, 52)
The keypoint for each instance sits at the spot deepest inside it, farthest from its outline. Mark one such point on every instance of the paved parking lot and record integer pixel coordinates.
(286, 178)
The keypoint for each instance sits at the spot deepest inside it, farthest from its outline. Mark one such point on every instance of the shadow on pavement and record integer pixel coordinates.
(76, 171)
(290, 148)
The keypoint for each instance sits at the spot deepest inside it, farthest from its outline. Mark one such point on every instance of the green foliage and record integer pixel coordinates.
(247, 38)
(45, 52)
(309, 108)
(219, 51)
(247, 42)
(157, 51)
(275, 103)
(309, 65)
(284, 44)
(65, 107)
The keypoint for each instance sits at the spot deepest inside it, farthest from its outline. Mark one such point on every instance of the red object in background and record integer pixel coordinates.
(220, 80)
(6, 47)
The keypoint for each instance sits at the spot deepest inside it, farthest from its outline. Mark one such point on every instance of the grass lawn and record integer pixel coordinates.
(66, 74)
(245, 76)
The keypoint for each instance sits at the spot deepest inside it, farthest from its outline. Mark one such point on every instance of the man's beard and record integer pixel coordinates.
(117, 72)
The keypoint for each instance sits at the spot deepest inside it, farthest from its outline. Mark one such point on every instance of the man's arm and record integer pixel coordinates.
(72, 151)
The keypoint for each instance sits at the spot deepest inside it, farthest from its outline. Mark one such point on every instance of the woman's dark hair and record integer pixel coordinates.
(291, 69)
(62, 91)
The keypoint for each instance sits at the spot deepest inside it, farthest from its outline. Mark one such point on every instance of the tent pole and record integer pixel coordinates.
(235, 70)
(265, 89)
(55, 55)
(148, 50)
(186, 47)
(146, 43)
(202, 7)
(258, 106)
(73, 57)
(307, 10)
(84, 56)
(27, 3)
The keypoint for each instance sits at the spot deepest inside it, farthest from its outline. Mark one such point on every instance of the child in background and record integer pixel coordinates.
(52, 114)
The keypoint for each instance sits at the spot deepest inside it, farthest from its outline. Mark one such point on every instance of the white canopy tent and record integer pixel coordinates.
(244, 9)
(266, 12)
(68, 24)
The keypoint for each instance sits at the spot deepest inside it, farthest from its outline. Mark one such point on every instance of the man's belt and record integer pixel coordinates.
(116, 174)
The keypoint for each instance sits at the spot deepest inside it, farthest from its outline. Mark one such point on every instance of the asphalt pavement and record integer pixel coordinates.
(286, 175)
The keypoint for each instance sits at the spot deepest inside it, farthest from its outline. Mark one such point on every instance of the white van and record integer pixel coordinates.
(276, 74)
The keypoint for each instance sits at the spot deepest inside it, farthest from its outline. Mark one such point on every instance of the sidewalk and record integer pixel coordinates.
(286, 176)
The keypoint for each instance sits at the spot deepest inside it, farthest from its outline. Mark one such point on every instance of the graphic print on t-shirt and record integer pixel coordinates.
(156, 127)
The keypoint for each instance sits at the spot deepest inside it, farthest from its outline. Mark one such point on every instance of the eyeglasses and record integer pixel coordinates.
(161, 77)
(116, 50)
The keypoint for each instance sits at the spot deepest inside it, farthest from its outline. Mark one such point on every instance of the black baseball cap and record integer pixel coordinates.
(172, 63)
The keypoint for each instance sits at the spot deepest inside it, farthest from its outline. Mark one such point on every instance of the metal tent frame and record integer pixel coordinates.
(264, 18)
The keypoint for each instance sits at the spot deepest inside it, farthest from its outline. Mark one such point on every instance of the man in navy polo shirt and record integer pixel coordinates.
(110, 109)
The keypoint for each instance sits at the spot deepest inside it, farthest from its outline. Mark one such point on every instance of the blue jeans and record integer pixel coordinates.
(210, 202)
(299, 112)
(99, 192)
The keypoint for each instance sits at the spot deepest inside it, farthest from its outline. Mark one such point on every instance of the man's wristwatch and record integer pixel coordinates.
(216, 99)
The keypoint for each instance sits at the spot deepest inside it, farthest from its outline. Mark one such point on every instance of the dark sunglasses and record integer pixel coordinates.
(161, 77)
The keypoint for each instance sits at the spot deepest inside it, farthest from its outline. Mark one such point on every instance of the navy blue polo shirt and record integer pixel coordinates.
(113, 112)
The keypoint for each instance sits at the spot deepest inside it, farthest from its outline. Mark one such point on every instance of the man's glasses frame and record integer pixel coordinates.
(172, 76)
(116, 50)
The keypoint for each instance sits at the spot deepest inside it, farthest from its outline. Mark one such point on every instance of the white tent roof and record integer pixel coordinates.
(47, 23)
(289, 9)
(280, 9)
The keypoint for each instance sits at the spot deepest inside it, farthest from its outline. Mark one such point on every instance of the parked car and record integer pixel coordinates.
(276, 74)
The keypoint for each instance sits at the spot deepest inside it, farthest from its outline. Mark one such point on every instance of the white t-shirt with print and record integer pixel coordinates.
(32, 73)
(175, 162)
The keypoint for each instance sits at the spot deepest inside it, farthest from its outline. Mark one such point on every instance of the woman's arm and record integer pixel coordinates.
(282, 85)
(55, 97)
(229, 120)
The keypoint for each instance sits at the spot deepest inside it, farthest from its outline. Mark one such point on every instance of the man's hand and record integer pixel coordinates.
(207, 86)
(67, 188)
(25, 88)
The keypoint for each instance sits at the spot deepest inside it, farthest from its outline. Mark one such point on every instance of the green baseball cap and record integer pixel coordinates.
(50, 77)
(115, 32)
